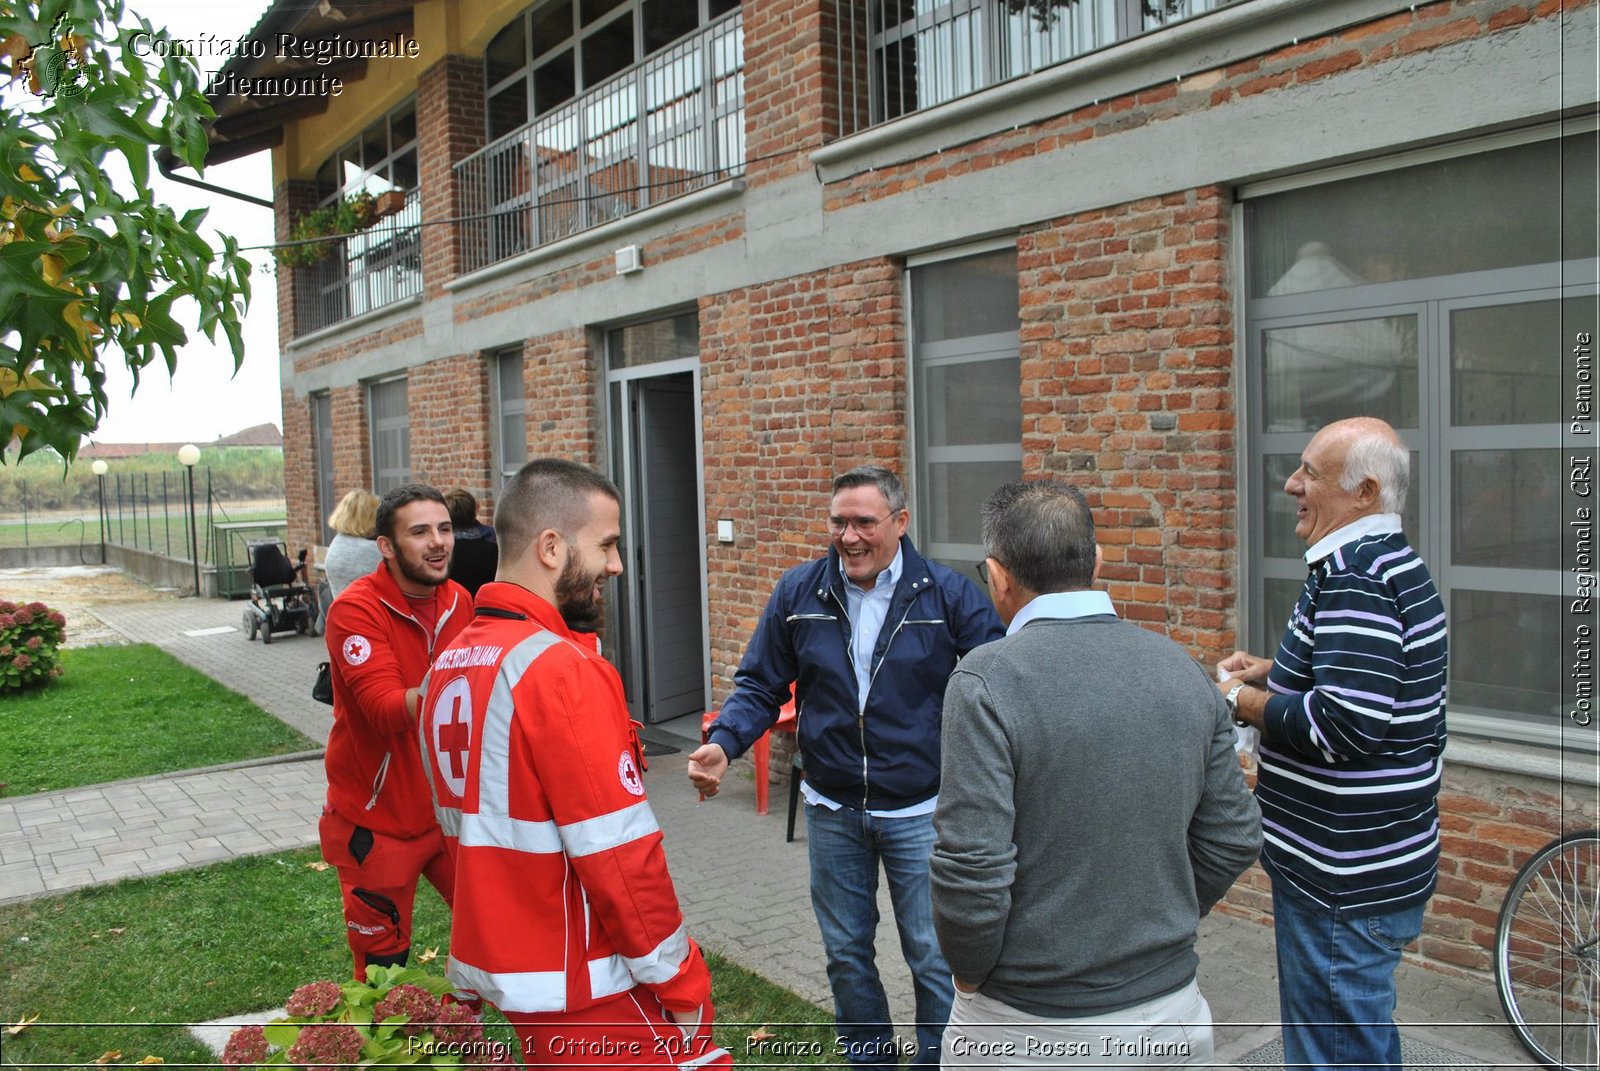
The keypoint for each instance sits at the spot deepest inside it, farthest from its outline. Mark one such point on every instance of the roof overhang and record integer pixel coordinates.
(296, 50)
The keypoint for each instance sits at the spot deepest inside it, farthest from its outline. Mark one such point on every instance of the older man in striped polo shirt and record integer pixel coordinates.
(1352, 733)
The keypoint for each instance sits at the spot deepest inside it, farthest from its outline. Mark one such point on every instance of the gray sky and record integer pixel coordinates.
(204, 399)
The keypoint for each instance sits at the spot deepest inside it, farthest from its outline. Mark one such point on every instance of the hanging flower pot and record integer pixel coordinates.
(389, 202)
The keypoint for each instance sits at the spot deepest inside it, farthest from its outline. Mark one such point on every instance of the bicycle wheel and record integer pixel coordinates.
(1547, 960)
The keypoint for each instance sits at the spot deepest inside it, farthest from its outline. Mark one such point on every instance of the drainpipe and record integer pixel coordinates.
(165, 164)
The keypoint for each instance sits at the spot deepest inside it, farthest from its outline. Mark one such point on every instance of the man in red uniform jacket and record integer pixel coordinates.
(565, 917)
(378, 826)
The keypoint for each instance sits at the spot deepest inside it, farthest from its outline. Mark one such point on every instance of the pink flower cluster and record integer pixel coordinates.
(314, 998)
(246, 1046)
(457, 1024)
(415, 1003)
(326, 1046)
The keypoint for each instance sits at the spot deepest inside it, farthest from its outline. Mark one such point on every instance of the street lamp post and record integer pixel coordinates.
(188, 457)
(99, 469)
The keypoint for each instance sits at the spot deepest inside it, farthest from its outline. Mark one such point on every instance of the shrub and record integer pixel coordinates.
(394, 1017)
(30, 638)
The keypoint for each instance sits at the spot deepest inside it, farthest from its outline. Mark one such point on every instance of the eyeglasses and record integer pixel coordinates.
(864, 526)
(983, 569)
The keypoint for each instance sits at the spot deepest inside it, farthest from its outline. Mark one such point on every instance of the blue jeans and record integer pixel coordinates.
(1336, 980)
(845, 848)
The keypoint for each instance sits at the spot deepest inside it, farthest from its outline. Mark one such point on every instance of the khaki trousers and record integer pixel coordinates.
(1171, 1030)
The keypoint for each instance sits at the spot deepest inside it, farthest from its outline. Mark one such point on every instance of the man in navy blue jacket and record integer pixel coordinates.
(866, 636)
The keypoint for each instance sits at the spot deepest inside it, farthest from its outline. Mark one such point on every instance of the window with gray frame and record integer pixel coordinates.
(510, 407)
(322, 459)
(553, 51)
(1436, 296)
(966, 398)
(598, 109)
(390, 421)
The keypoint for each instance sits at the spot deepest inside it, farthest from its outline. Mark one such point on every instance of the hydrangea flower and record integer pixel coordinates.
(457, 1024)
(247, 1045)
(414, 1002)
(326, 1046)
(22, 661)
(314, 998)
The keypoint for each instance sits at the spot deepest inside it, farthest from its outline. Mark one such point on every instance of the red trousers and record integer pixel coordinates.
(378, 879)
(631, 1030)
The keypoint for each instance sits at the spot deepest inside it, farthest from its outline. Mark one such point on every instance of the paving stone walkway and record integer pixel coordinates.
(744, 890)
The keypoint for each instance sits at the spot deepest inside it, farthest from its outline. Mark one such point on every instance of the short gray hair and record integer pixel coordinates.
(887, 483)
(1383, 461)
(1043, 533)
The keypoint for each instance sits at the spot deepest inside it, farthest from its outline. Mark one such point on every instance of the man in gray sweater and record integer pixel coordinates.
(1092, 811)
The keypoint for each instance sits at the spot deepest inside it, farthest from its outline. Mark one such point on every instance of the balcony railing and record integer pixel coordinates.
(366, 271)
(671, 124)
(900, 56)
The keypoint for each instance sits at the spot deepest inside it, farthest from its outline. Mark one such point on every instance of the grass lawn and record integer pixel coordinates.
(126, 962)
(125, 712)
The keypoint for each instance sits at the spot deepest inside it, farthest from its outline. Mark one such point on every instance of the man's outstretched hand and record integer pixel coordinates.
(706, 766)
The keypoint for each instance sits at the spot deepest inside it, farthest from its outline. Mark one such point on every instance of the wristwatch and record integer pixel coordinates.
(1232, 699)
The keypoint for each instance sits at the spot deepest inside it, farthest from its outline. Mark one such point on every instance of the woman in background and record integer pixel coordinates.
(354, 550)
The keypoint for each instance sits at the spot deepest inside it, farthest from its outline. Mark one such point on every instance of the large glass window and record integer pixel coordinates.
(510, 408)
(967, 397)
(554, 51)
(322, 460)
(597, 109)
(390, 420)
(1440, 297)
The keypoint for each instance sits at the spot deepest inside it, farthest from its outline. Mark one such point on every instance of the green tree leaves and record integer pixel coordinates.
(92, 270)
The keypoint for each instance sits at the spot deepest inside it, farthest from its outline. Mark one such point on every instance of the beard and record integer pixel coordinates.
(418, 571)
(576, 601)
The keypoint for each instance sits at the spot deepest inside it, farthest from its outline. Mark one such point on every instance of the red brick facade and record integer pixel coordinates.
(800, 380)
(1127, 355)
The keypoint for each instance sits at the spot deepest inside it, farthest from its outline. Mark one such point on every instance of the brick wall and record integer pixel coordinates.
(784, 114)
(448, 404)
(1127, 352)
(450, 125)
(800, 379)
(352, 449)
(558, 374)
(290, 201)
(300, 474)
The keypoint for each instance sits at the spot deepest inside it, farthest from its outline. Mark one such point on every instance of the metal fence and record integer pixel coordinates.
(142, 511)
(900, 56)
(671, 124)
(365, 271)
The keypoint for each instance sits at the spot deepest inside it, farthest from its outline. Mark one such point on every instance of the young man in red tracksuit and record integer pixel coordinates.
(565, 917)
(378, 826)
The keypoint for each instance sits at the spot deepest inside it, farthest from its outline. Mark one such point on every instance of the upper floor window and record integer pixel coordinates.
(554, 51)
(383, 158)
